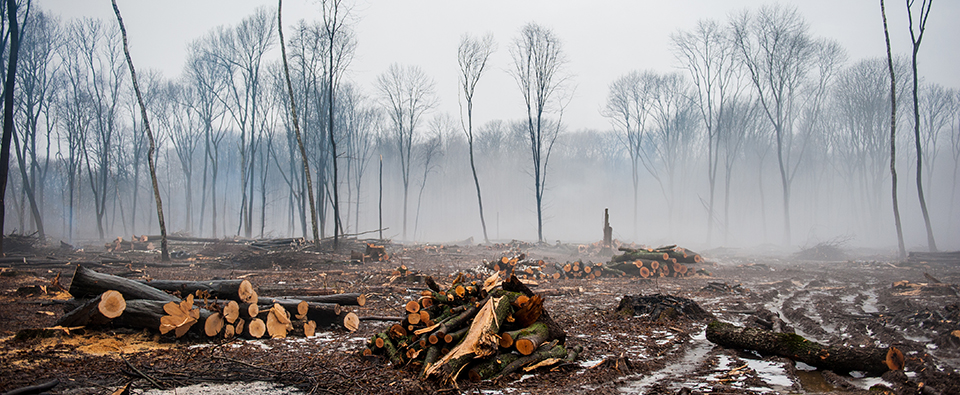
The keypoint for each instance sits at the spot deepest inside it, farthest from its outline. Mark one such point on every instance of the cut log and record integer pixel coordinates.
(323, 313)
(350, 321)
(344, 299)
(213, 324)
(257, 328)
(309, 328)
(278, 321)
(231, 312)
(870, 360)
(545, 351)
(96, 311)
(149, 314)
(481, 340)
(527, 340)
(89, 283)
(240, 290)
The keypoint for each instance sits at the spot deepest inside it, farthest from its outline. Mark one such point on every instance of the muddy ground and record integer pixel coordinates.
(856, 301)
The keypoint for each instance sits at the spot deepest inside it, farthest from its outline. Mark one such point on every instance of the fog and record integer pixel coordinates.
(82, 148)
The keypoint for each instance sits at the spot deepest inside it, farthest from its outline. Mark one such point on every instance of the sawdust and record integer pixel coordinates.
(91, 342)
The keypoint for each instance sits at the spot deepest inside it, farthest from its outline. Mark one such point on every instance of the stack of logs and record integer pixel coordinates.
(374, 253)
(483, 330)
(136, 243)
(519, 265)
(669, 261)
(215, 308)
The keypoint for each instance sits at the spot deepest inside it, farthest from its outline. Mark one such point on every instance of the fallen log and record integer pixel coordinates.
(323, 313)
(239, 290)
(873, 361)
(41, 388)
(89, 283)
(97, 311)
(344, 299)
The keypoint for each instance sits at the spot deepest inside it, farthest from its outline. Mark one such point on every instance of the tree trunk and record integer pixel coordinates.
(239, 290)
(88, 283)
(893, 134)
(8, 104)
(164, 251)
(840, 359)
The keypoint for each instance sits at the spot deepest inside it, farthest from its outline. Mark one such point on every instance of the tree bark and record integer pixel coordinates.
(893, 134)
(89, 283)
(8, 111)
(870, 360)
(164, 252)
(238, 290)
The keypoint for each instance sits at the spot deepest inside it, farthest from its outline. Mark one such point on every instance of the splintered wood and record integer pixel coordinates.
(462, 330)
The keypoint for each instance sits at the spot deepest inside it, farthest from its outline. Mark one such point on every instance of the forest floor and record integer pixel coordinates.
(852, 301)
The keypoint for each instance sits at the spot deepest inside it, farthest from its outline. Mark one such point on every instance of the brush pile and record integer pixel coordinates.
(213, 309)
(481, 330)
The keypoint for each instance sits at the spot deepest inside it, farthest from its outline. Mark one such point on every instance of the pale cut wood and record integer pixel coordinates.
(256, 328)
(111, 304)
(350, 321)
(213, 324)
(231, 312)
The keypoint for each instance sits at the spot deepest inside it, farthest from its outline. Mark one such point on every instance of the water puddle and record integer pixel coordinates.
(688, 363)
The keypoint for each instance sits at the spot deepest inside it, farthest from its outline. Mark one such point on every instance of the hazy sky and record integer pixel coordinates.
(603, 39)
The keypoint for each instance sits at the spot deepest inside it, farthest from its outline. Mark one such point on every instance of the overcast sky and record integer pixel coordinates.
(603, 39)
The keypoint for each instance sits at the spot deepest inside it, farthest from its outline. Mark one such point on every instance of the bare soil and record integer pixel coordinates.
(855, 302)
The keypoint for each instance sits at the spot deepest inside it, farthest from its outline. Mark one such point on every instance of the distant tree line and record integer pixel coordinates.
(761, 117)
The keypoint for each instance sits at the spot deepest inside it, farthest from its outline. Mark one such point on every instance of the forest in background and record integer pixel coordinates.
(671, 165)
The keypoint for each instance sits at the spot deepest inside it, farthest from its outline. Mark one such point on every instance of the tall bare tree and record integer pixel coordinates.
(341, 45)
(628, 109)
(407, 94)
(239, 53)
(8, 120)
(779, 54)
(893, 132)
(538, 61)
(296, 127)
(916, 36)
(164, 252)
(39, 42)
(709, 56)
(472, 56)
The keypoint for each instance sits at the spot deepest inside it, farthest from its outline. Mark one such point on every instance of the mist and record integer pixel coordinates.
(228, 163)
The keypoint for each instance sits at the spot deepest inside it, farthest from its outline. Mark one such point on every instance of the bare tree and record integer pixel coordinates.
(472, 56)
(937, 105)
(360, 120)
(38, 71)
(893, 133)
(429, 152)
(341, 45)
(239, 52)
(296, 126)
(8, 104)
(164, 252)
(202, 72)
(407, 94)
(779, 54)
(627, 108)
(538, 61)
(916, 36)
(102, 80)
(709, 56)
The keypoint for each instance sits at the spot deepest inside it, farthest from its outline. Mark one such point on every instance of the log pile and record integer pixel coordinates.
(213, 309)
(481, 330)
(373, 253)
(669, 261)
(136, 243)
(519, 265)
(584, 270)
